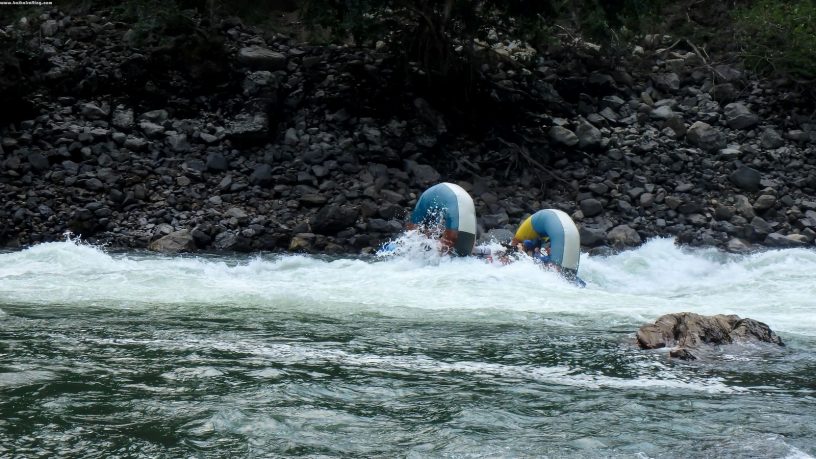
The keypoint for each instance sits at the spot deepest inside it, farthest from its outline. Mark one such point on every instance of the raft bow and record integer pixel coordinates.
(451, 207)
(565, 242)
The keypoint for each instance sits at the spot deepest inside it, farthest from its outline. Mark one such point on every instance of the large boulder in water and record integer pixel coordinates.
(687, 330)
(178, 241)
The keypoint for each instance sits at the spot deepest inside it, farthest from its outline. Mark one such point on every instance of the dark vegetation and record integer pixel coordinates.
(441, 45)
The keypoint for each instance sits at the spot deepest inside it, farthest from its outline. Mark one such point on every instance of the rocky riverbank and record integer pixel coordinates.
(242, 140)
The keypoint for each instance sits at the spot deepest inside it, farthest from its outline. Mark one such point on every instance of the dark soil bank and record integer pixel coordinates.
(241, 140)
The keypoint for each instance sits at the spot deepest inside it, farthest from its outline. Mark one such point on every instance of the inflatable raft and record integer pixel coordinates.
(449, 207)
(555, 230)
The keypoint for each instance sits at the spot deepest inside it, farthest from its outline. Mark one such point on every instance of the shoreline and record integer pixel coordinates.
(290, 148)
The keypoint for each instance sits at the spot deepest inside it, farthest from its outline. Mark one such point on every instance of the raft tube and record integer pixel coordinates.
(565, 242)
(452, 203)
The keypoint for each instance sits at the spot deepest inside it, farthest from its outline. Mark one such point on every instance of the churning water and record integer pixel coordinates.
(142, 355)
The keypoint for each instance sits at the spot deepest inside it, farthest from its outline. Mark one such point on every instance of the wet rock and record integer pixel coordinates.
(229, 240)
(689, 331)
(786, 240)
(737, 245)
(623, 236)
(179, 241)
(301, 242)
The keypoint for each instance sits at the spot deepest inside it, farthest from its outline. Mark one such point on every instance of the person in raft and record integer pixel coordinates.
(538, 250)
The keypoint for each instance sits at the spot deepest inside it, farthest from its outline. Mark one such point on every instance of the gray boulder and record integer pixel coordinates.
(248, 127)
(669, 82)
(770, 139)
(262, 58)
(178, 241)
(782, 240)
(92, 111)
(217, 162)
(588, 135)
(591, 207)
(746, 178)
(591, 235)
(623, 236)
(423, 174)
(688, 331)
(738, 116)
(333, 218)
(262, 175)
(764, 202)
(563, 136)
(705, 137)
(122, 118)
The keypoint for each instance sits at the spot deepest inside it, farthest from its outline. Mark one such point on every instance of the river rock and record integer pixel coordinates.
(179, 241)
(706, 137)
(669, 82)
(786, 240)
(92, 111)
(262, 58)
(623, 236)
(423, 174)
(248, 127)
(591, 207)
(764, 202)
(333, 218)
(38, 161)
(771, 139)
(217, 162)
(588, 135)
(563, 136)
(688, 331)
(738, 116)
(262, 175)
(746, 178)
(122, 118)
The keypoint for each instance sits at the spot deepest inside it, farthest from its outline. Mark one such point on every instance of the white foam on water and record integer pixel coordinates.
(777, 287)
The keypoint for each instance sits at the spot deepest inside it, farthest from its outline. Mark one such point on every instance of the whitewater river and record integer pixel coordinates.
(106, 354)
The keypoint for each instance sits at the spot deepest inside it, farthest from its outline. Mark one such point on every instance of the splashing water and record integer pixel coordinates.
(406, 354)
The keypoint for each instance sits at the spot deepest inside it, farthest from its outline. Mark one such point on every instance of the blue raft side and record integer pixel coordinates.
(546, 222)
(438, 198)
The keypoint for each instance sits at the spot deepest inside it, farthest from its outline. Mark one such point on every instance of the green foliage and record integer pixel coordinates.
(779, 37)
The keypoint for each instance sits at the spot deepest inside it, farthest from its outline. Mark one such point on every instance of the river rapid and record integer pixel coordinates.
(106, 354)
